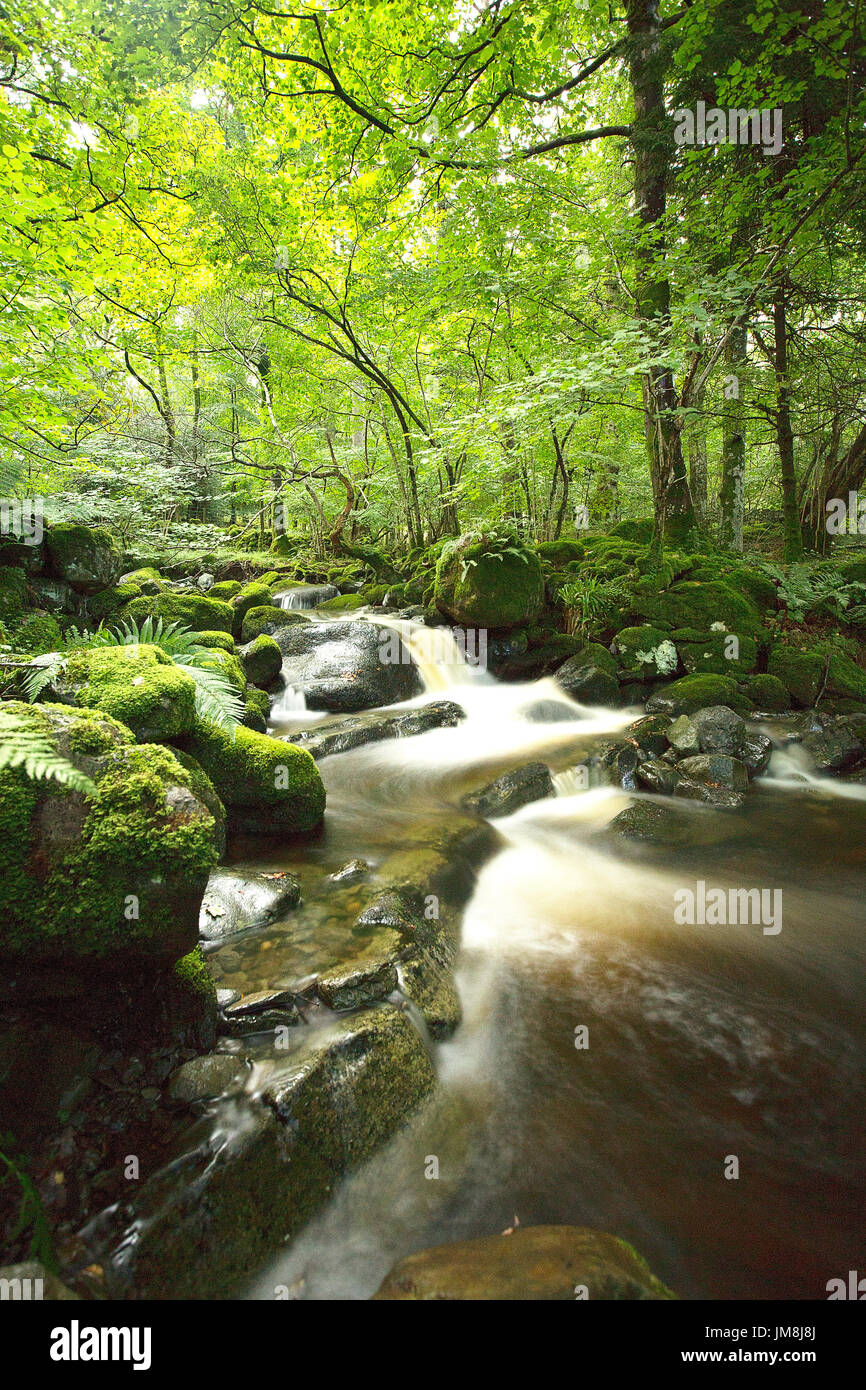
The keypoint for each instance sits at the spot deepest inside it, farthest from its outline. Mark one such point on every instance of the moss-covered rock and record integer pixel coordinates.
(690, 603)
(262, 660)
(117, 875)
(258, 708)
(638, 529)
(695, 692)
(13, 593)
(559, 553)
(225, 589)
(485, 584)
(720, 653)
(646, 652)
(269, 620)
(534, 1263)
(223, 640)
(806, 674)
(253, 595)
(344, 603)
(267, 786)
(202, 614)
(767, 693)
(86, 557)
(231, 666)
(39, 633)
(147, 579)
(109, 601)
(588, 654)
(138, 685)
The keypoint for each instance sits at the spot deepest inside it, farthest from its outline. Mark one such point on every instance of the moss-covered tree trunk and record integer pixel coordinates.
(651, 139)
(784, 430)
(732, 487)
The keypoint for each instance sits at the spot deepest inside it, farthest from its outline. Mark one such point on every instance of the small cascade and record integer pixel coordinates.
(791, 768)
(445, 658)
(305, 596)
(289, 701)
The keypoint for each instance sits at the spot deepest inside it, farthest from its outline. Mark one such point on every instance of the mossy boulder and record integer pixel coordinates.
(344, 603)
(559, 553)
(253, 595)
(196, 611)
(268, 620)
(533, 1263)
(262, 660)
(258, 708)
(695, 692)
(118, 875)
(86, 557)
(721, 653)
(267, 786)
(808, 674)
(13, 594)
(767, 693)
(646, 652)
(39, 633)
(225, 589)
(109, 601)
(699, 605)
(587, 653)
(138, 685)
(147, 579)
(223, 640)
(638, 529)
(485, 584)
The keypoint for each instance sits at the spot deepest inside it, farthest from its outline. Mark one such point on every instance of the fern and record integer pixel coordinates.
(23, 746)
(216, 699)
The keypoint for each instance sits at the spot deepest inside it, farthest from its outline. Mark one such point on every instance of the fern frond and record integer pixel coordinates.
(21, 745)
(216, 699)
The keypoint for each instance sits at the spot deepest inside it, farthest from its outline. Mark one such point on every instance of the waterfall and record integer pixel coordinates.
(305, 595)
(445, 658)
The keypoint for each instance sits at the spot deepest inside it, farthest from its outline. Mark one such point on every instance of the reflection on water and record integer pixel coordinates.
(703, 1042)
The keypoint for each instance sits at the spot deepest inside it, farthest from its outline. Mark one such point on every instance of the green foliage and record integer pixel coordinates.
(24, 745)
(18, 1189)
(810, 590)
(591, 603)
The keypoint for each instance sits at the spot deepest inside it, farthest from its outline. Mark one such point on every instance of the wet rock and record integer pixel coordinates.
(432, 990)
(619, 762)
(348, 666)
(651, 734)
(589, 685)
(838, 747)
(261, 660)
(351, 872)
(660, 823)
(236, 900)
(360, 983)
(683, 736)
(355, 733)
(658, 776)
(711, 793)
(508, 793)
(720, 730)
(203, 1078)
(87, 558)
(716, 769)
(756, 752)
(533, 1263)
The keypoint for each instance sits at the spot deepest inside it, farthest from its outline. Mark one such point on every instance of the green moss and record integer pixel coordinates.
(262, 660)
(589, 654)
(696, 692)
(646, 651)
(204, 791)
(225, 589)
(223, 640)
(86, 557)
(768, 693)
(109, 601)
(192, 972)
(558, 553)
(13, 591)
(264, 783)
(267, 619)
(147, 579)
(193, 610)
(821, 671)
(344, 603)
(231, 666)
(691, 603)
(486, 584)
(140, 686)
(640, 529)
(71, 899)
(254, 595)
(710, 653)
(39, 633)
(257, 711)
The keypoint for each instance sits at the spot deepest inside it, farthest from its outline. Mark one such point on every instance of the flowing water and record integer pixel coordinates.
(703, 1042)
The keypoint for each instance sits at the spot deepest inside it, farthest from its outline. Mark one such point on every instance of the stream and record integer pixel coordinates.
(703, 1042)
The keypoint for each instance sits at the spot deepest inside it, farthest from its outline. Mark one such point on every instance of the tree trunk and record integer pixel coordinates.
(732, 488)
(675, 515)
(784, 432)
